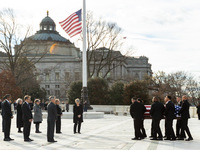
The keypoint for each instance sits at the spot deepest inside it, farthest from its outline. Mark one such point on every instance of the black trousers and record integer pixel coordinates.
(199, 116)
(184, 128)
(137, 127)
(37, 126)
(7, 124)
(2, 124)
(143, 129)
(169, 129)
(58, 124)
(152, 128)
(27, 129)
(156, 128)
(79, 126)
(178, 128)
(50, 130)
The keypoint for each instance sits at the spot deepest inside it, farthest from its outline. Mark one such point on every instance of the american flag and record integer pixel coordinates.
(72, 25)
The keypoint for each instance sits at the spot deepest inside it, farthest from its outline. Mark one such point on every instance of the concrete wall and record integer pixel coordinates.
(118, 109)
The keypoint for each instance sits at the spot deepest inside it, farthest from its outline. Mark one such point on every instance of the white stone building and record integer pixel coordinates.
(62, 62)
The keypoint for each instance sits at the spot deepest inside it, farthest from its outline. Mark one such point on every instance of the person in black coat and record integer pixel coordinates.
(179, 120)
(59, 114)
(67, 106)
(27, 118)
(51, 119)
(185, 115)
(137, 111)
(142, 123)
(19, 115)
(198, 111)
(0, 103)
(7, 116)
(157, 111)
(2, 116)
(170, 115)
(78, 115)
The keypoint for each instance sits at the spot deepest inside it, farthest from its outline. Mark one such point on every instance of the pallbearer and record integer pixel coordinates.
(142, 123)
(157, 111)
(170, 115)
(185, 115)
(137, 111)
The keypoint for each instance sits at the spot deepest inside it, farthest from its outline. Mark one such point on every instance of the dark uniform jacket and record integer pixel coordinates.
(137, 111)
(157, 110)
(170, 110)
(184, 111)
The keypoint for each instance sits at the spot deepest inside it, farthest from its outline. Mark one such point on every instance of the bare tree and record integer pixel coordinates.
(175, 84)
(103, 39)
(17, 48)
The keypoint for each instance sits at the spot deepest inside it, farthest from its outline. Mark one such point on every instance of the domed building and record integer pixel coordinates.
(59, 62)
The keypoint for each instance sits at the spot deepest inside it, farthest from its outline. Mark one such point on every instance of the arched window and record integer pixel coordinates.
(51, 28)
(45, 27)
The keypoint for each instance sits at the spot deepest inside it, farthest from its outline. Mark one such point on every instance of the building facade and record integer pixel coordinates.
(61, 63)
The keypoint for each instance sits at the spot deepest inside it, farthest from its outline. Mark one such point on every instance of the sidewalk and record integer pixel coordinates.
(109, 133)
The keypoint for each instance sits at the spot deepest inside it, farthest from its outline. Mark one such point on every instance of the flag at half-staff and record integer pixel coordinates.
(73, 24)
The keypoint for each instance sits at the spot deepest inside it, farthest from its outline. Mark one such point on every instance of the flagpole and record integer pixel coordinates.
(84, 47)
(84, 94)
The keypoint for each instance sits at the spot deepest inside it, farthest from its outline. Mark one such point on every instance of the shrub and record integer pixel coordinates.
(98, 91)
(116, 94)
(138, 89)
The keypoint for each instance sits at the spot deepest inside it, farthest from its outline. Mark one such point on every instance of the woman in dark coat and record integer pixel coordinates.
(19, 115)
(59, 114)
(37, 118)
(198, 111)
(78, 115)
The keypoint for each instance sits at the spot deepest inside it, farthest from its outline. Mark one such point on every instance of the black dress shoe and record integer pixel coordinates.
(180, 139)
(31, 139)
(52, 141)
(75, 132)
(38, 132)
(11, 139)
(6, 139)
(159, 139)
(27, 140)
(20, 132)
(189, 139)
(153, 139)
(135, 138)
(173, 139)
(58, 132)
(79, 132)
(166, 139)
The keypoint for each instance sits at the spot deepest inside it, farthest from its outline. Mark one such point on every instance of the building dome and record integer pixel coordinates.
(48, 31)
(47, 24)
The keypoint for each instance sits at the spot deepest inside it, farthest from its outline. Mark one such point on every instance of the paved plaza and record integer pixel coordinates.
(110, 133)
